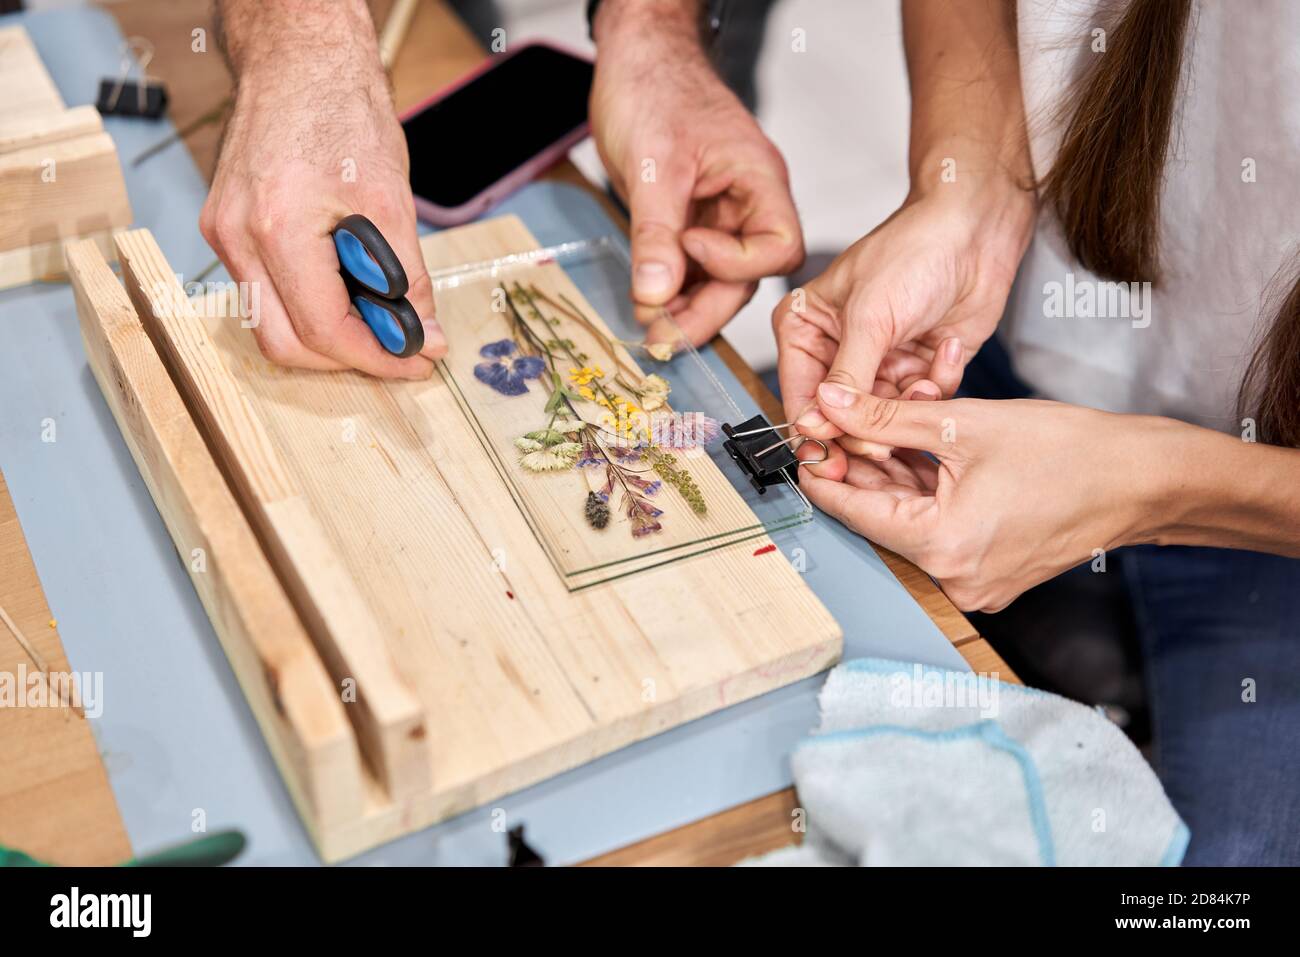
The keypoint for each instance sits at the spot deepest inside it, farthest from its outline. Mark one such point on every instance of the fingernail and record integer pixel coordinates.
(652, 279)
(810, 419)
(926, 394)
(663, 331)
(836, 396)
(952, 351)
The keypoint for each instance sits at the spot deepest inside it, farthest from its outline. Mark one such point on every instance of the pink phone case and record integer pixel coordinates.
(444, 216)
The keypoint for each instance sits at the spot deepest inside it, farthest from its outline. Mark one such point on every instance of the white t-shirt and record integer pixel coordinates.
(1230, 219)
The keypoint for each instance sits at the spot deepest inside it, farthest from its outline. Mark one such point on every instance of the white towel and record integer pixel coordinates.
(914, 765)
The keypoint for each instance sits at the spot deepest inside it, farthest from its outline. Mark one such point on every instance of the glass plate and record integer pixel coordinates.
(546, 363)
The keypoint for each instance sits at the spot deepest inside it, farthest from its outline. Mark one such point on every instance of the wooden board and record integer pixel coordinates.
(296, 704)
(55, 800)
(59, 172)
(515, 678)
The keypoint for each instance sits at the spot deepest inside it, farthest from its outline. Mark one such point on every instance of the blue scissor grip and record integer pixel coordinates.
(393, 321)
(367, 257)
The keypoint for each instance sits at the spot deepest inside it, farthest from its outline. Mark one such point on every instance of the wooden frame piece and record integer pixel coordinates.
(59, 172)
(387, 716)
(300, 711)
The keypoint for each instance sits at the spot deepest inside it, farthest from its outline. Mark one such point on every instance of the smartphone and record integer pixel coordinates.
(492, 131)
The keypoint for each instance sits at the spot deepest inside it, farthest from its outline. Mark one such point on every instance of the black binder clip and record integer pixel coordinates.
(520, 854)
(765, 461)
(126, 97)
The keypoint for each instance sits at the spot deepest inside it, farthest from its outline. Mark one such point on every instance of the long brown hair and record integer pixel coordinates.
(1106, 182)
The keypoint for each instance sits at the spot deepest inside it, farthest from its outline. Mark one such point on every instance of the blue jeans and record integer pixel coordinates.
(1219, 633)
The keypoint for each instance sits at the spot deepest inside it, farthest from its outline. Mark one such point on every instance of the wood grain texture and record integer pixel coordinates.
(726, 838)
(388, 718)
(55, 799)
(519, 677)
(46, 262)
(28, 88)
(25, 130)
(292, 697)
(59, 174)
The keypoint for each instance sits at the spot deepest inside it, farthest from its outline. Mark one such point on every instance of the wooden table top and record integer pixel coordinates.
(438, 48)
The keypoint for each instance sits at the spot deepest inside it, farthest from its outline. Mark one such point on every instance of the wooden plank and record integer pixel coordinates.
(55, 800)
(46, 261)
(728, 837)
(26, 130)
(59, 174)
(28, 88)
(292, 697)
(983, 658)
(63, 189)
(389, 720)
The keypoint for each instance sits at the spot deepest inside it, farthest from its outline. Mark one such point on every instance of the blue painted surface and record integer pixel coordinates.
(176, 734)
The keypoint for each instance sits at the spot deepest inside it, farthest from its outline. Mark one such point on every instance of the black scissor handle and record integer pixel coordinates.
(393, 321)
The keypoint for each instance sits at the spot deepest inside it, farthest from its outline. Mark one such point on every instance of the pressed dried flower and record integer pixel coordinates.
(538, 456)
(660, 351)
(596, 511)
(666, 467)
(683, 430)
(504, 373)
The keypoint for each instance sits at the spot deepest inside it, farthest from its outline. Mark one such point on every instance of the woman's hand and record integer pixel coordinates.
(1021, 490)
(902, 310)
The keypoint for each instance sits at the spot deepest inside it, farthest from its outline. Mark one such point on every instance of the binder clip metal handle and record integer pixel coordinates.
(122, 96)
(767, 459)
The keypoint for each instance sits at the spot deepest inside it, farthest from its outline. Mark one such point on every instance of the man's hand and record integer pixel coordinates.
(313, 138)
(708, 192)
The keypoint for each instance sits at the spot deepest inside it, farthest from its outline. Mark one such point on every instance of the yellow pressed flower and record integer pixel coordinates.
(586, 374)
(586, 393)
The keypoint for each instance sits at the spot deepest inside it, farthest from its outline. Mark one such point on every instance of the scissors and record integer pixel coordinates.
(377, 285)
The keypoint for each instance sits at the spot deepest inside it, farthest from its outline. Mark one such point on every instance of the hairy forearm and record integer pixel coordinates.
(967, 107)
(1217, 490)
(622, 26)
(333, 40)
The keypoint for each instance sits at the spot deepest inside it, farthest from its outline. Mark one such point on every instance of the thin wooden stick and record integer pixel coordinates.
(395, 27)
(22, 640)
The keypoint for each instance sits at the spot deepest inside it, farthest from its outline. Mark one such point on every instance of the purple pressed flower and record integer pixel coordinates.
(683, 430)
(504, 374)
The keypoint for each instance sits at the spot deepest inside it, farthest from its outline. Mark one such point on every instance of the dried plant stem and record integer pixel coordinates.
(574, 313)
